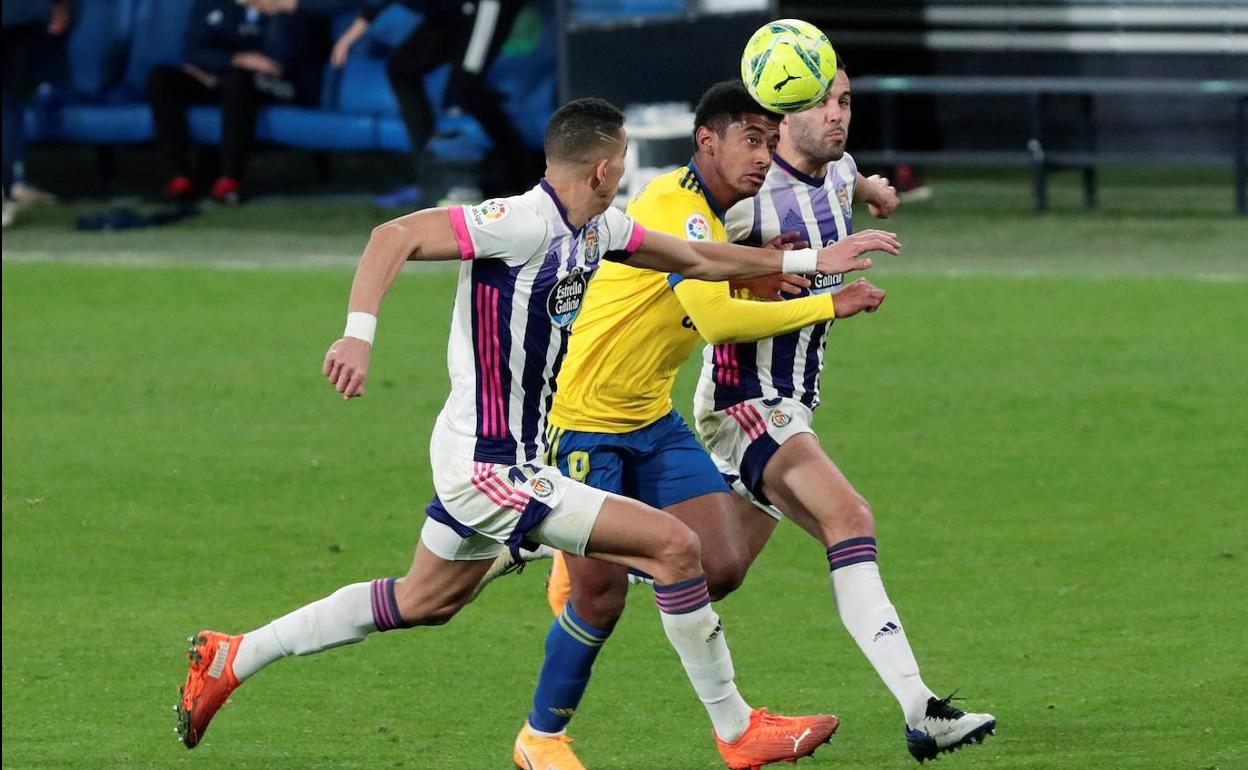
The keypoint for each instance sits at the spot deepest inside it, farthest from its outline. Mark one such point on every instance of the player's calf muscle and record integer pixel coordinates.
(422, 609)
(425, 602)
(599, 605)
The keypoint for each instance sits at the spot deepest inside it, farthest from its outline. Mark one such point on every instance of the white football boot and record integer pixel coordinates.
(946, 728)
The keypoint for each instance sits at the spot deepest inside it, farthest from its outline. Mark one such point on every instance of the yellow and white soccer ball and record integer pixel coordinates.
(788, 65)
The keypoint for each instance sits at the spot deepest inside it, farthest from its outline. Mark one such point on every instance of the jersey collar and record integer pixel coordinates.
(563, 211)
(710, 199)
(784, 164)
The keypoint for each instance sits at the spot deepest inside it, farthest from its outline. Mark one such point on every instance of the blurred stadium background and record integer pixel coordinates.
(1048, 415)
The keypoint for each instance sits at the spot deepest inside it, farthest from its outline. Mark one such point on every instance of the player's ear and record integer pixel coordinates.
(705, 138)
(598, 177)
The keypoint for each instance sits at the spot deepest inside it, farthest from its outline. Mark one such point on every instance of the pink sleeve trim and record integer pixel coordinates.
(634, 240)
(462, 237)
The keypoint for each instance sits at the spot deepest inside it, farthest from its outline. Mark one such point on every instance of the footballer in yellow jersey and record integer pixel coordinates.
(612, 424)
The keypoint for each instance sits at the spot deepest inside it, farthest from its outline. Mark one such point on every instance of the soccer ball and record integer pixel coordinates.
(788, 65)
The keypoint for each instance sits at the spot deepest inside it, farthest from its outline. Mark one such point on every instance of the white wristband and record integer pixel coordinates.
(361, 326)
(799, 261)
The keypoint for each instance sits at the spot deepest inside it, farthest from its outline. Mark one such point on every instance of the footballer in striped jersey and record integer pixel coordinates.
(753, 410)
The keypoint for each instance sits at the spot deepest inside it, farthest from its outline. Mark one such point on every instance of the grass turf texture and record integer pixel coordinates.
(1055, 463)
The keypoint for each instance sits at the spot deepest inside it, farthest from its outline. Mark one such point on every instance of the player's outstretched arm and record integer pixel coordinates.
(709, 261)
(722, 318)
(424, 235)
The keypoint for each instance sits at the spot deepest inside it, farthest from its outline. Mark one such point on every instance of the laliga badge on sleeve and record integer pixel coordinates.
(488, 212)
(697, 228)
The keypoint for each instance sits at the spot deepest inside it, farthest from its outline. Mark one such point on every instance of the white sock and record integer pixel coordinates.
(343, 617)
(869, 617)
(698, 638)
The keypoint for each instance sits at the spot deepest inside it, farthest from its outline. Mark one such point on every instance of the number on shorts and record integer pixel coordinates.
(578, 465)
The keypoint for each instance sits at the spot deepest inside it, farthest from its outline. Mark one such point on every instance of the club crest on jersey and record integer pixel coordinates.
(564, 301)
(591, 245)
(488, 212)
(847, 205)
(779, 418)
(542, 487)
(697, 228)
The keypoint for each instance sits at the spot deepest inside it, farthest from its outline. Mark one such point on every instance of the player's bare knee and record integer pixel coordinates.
(680, 554)
(855, 519)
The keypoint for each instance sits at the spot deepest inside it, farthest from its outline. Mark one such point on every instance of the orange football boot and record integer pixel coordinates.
(559, 585)
(773, 738)
(538, 752)
(209, 682)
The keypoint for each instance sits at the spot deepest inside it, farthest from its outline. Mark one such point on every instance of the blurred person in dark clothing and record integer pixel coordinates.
(240, 59)
(33, 32)
(469, 35)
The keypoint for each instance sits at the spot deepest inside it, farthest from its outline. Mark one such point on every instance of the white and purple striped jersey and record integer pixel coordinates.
(788, 366)
(522, 279)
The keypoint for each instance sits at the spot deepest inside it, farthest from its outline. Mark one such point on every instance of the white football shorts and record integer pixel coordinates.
(482, 508)
(742, 439)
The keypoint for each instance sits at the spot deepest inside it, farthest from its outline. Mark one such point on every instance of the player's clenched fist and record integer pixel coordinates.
(858, 296)
(346, 366)
(882, 197)
(845, 255)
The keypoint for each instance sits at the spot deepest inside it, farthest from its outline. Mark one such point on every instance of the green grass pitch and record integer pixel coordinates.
(1048, 416)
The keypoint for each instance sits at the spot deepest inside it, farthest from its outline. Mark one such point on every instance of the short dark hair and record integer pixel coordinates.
(580, 127)
(726, 103)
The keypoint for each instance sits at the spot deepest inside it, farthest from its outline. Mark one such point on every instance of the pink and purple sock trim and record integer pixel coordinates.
(683, 597)
(385, 607)
(852, 551)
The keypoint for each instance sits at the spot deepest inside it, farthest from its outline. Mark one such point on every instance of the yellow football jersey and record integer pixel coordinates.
(632, 333)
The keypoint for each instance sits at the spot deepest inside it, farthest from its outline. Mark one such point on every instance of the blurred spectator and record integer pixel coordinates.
(33, 31)
(240, 59)
(468, 35)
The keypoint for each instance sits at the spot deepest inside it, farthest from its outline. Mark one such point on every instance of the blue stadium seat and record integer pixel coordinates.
(159, 26)
(87, 123)
(460, 138)
(615, 10)
(392, 135)
(117, 43)
(99, 45)
(390, 29)
(363, 87)
(317, 129)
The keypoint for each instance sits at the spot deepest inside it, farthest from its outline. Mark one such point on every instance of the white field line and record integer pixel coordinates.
(141, 260)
